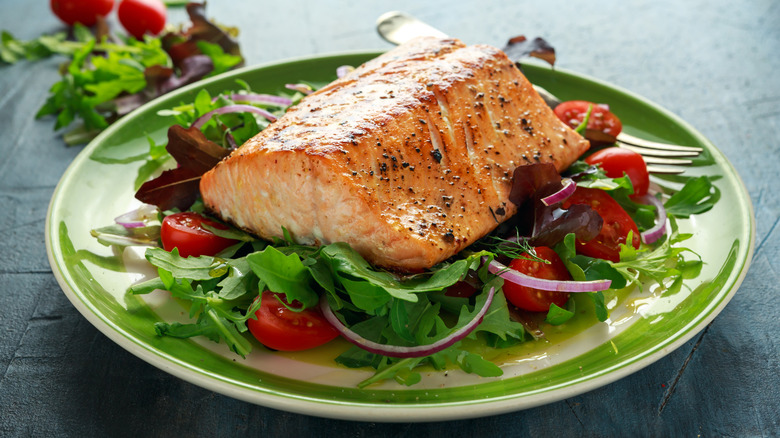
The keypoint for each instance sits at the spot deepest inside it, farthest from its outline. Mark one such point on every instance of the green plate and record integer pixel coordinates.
(643, 327)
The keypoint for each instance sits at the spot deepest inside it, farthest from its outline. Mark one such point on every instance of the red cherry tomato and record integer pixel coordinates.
(536, 300)
(85, 12)
(601, 119)
(185, 231)
(617, 224)
(140, 17)
(617, 161)
(280, 328)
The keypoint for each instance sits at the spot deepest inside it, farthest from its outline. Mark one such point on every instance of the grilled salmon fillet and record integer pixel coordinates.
(409, 158)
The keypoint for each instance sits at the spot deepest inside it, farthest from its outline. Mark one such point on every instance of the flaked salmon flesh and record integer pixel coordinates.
(408, 159)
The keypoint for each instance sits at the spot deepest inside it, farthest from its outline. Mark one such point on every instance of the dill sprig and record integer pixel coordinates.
(516, 247)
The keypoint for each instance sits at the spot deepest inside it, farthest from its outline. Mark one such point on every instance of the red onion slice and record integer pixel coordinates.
(238, 108)
(344, 70)
(303, 88)
(568, 188)
(659, 229)
(516, 277)
(137, 218)
(258, 98)
(399, 351)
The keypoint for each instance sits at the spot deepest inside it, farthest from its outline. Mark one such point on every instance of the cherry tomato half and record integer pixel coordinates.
(617, 224)
(601, 119)
(280, 328)
(140, 17)
(185, 231)
(536, 300)
(85, 12)
(617, 161)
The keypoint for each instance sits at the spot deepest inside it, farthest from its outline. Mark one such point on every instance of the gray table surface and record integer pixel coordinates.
(712, 62)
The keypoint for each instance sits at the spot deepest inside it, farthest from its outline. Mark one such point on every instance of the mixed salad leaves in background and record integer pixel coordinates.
(108, 75)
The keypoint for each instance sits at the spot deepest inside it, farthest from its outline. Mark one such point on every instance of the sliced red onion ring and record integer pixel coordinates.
(137, 218)
(238, 108)
(259, 98)
(659, 229)
(399, 351)
(516, 277)
(344, 70)
(568, 188)
(303, 88)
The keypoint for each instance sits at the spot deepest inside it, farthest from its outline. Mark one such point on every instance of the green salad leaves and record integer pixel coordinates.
(107, 76)
(221, 292)
(393, 310)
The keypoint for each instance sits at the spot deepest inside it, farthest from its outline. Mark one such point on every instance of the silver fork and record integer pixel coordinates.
(661, 158)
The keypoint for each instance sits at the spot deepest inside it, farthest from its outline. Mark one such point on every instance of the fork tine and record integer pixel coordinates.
(658, 156)
(667, 161)
(636, 141)
(648, 152)
(666, 170)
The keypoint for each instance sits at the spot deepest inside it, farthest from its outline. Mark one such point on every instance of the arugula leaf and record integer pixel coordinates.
(238, 281)
(400, 370)
(147, 286)
(642, 214)
(284, 274)
(472, 363)
(68, 98)
(230, 233)
(662, 263)
(496, 321)
(598, 269)
(557, 315)
(112, 76)
(697, 196)
(215, 288)
(365, 295)
(210, 325)
(584, 268)
(399, 320)
(156, 157)
(320, 272)
(222, 61)
(13, 50)
(104, 81)
(190, 268)
(350, 266)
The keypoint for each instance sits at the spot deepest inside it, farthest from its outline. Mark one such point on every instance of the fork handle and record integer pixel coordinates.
(652, 152)
(398, 27)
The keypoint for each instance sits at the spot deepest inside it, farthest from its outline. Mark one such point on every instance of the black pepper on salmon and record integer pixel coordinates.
(409, 158)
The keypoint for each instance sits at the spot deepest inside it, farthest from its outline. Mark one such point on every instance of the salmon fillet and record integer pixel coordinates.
(409, 158)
